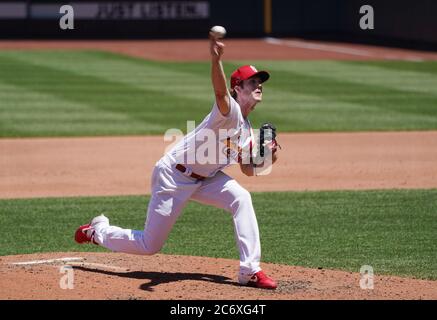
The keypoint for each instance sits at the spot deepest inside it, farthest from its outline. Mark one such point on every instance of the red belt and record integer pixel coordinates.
(182, 169)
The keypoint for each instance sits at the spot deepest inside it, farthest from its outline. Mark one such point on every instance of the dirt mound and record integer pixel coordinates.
(122, 276)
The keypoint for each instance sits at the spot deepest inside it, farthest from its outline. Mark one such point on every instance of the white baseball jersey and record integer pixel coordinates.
(216, 143)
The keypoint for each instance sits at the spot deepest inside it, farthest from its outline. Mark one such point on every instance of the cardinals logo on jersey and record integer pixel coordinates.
(232, 150)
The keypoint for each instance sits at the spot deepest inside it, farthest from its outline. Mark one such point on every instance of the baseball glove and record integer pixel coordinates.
(267, 139)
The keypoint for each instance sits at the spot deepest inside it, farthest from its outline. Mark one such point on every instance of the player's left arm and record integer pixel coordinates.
(247, 169)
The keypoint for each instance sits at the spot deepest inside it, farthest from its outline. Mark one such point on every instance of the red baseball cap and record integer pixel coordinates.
(246, 72)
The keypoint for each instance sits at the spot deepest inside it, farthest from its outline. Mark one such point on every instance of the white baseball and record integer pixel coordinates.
(218, 32)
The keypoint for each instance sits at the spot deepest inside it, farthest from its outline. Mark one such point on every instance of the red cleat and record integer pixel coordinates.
(262, 281)
(84, 234)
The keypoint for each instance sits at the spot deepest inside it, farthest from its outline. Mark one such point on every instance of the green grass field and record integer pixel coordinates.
(86, 93)
(393, 231)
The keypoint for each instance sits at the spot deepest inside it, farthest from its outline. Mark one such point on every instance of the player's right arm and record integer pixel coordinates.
(218, 76)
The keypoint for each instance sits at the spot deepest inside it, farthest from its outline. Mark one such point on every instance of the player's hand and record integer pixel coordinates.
(274, 157)
(272, 146)
(216, 47)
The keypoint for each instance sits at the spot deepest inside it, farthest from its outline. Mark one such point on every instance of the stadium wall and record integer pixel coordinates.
(401, 22)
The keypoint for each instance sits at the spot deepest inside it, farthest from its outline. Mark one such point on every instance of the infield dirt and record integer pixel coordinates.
(120, 276)
(102, 166)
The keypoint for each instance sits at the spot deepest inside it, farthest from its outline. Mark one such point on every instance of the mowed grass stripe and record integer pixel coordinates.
(316, 102)
(368, 75)
(151, 97)
(304, 113)
(134, 72)
(409, 103)
(151, 111)
(426, 67)
(156, 75)
(344, 88)
(299, 102)
(391, 230)
(47, 117)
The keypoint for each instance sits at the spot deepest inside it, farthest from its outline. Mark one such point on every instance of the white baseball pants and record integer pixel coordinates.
(171, 190)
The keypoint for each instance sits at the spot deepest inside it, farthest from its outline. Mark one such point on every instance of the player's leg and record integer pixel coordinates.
(170, 192)
(224, 192)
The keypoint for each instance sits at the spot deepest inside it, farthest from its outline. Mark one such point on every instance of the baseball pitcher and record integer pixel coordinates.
(182, 175)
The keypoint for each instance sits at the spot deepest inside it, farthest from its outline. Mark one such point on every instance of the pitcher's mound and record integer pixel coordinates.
(91, 275)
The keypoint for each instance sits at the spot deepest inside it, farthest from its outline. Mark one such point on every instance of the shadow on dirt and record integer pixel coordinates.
(157, 278)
